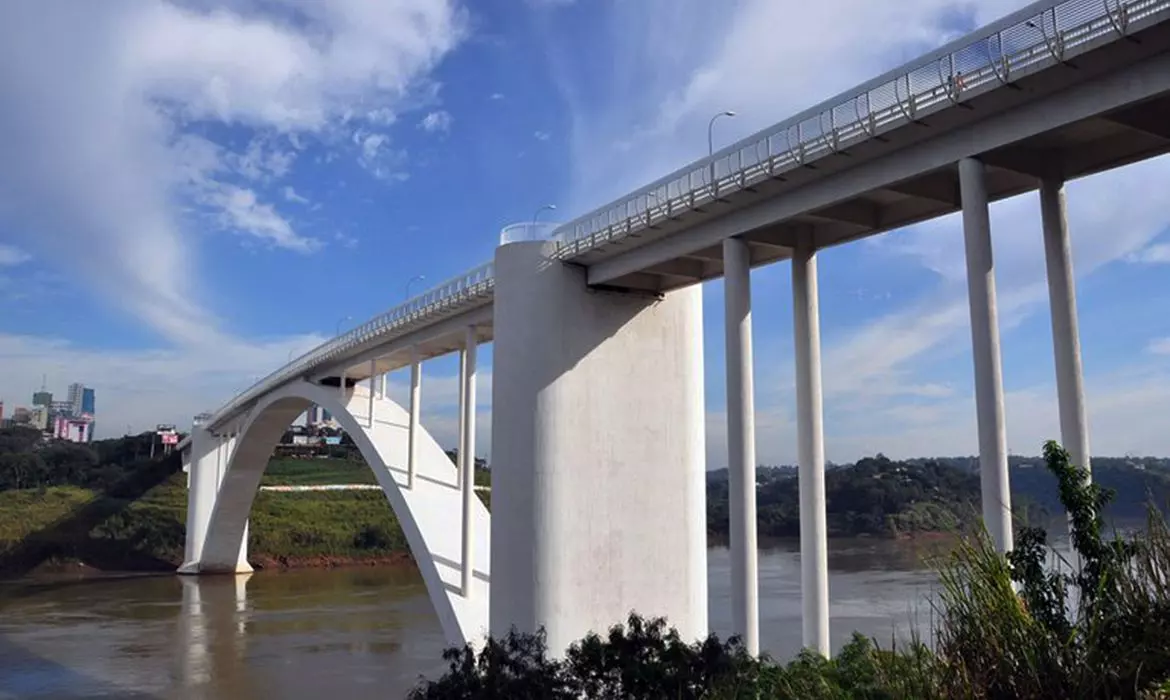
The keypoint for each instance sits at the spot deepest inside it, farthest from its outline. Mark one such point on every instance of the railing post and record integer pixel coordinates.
(415, 399)
(467, 457)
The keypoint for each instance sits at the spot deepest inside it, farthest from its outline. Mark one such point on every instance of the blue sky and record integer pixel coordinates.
(193, 191)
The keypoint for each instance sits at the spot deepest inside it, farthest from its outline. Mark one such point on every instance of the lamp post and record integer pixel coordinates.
(711, 145)
(337, 329)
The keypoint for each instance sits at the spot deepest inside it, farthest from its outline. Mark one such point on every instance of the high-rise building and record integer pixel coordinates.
(42, 398)
(76, 391)
(87, 402)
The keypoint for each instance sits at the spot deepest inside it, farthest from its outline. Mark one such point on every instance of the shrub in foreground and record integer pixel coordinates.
(1026, 625)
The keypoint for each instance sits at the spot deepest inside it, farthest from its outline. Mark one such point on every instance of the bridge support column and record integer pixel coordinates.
(1066, 341)
(993, 463)
(741, 443)
(598, 453)
(467, 459)
(415, 407)
(814, 546)
(203, 483)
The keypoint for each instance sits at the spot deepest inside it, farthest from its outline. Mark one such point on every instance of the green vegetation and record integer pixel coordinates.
(882, 497)
(112, 507)
(305, 472)
(1099, 630)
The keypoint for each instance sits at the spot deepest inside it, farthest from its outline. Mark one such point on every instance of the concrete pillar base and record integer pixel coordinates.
(598, 453)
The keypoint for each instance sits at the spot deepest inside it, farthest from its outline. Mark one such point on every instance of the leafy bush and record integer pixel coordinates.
(1009, 626)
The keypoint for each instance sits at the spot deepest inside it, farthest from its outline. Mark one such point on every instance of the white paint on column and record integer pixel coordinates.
(1066, 340)
(467, 458)
(598, 452)
(462, 435)
(370, 402)
(415, 407)
(993, 462)
(814, 547)
(741, 443)
(201, 493)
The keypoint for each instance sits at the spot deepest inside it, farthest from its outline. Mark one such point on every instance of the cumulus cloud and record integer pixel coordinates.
(242, 212)
(437, 121)
(98, 100)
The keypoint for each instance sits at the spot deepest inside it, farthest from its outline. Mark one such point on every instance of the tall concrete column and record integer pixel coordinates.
(598, 482)
(462, 422)
(415, 408)
(370, 398)
(741, 443)
(204, 482)
(1066, 340)
(814, 546)
(467, 458)
(993, 463)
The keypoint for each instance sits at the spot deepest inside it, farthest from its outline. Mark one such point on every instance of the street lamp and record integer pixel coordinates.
(711, 147)
(337, 330)
(412, 280)
(710, 131)
(551, 207)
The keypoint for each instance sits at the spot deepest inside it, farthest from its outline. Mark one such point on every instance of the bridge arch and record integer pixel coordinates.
(429, 513)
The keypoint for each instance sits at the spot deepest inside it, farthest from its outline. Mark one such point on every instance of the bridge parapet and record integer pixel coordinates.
(471, 286)
(1044, 34)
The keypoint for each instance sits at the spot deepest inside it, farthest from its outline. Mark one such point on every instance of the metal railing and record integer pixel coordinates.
(527, 231)
(1041, 35)
(475, 283)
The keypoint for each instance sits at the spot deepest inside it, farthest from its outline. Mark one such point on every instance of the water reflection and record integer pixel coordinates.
(361, 633)
(211, 642)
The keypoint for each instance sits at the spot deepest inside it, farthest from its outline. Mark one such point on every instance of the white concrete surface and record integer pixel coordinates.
(202, 483)
(810, 437)
(741, 444)
(993, 463)
(1066, 337)
(467, 463)
(426, 512)
(598, 453)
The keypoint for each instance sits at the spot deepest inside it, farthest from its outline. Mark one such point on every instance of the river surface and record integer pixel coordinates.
(362, 632)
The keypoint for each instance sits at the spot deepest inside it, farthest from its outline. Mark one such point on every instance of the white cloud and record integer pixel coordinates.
(496, 96)
(377, 156)
(96, 161)
(1153, 254)
(244, 213)
(541, 135)
(1160, 346)
(291, 195)
(263, 161)
(11, 256)
(438, 121)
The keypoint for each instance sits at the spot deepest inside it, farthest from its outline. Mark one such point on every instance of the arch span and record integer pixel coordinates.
(429, 512)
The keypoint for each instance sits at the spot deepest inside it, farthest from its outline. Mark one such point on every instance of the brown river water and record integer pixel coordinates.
(360, 632)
